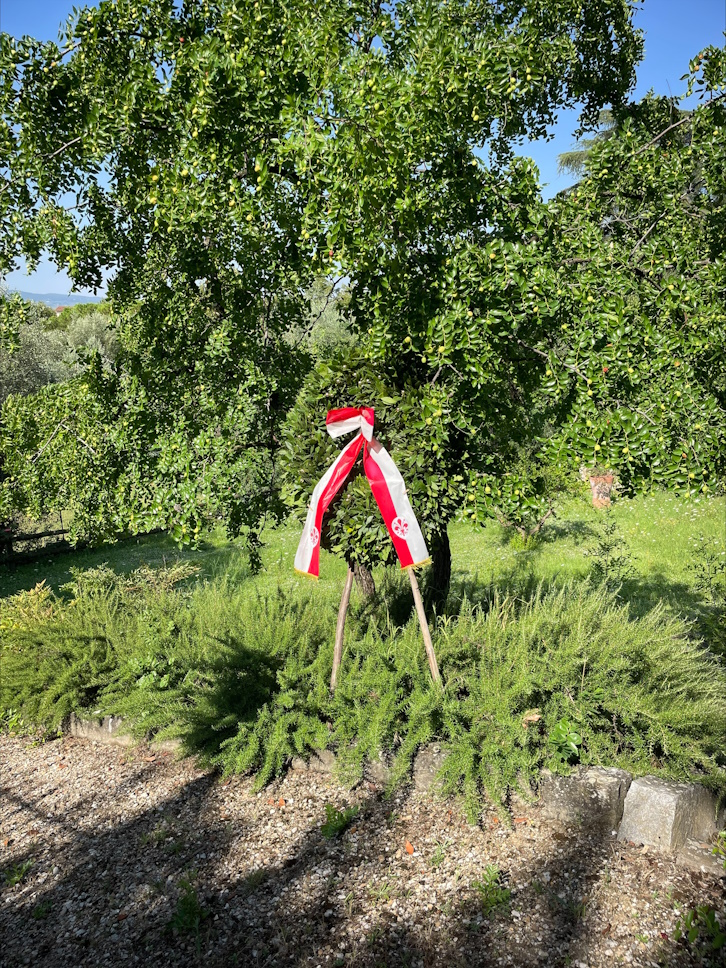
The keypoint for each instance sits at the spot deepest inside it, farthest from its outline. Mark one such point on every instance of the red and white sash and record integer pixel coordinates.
(385, 481)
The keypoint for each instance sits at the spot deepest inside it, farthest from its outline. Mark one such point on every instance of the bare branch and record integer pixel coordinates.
(79, 438)
(69, 50)
(47, 443)
(676, 124)
(546, 356)
(644, 237)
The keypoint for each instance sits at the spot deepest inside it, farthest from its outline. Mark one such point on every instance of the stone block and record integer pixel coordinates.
(593, 796)
(665, 814)
(427, 763)
(378, 771)
(167, 745)
(109, 730)
(700, 857)
(323, 761)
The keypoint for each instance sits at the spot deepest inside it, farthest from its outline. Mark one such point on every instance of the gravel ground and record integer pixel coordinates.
(136, 858)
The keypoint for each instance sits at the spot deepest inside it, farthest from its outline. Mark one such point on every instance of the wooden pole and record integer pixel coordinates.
(340, 629)
(433, 664)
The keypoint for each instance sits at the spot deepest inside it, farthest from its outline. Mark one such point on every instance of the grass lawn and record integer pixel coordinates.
(661, 532)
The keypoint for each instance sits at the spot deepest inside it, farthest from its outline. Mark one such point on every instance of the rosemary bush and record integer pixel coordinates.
(242, 678)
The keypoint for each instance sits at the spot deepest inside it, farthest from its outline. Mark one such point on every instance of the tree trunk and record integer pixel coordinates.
(364, 581)
(439, 576)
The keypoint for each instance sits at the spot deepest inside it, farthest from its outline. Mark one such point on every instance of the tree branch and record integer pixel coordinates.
(570, 366)
(47, 443)
(68, 144)
(644, 237)
(79, 438)
(545, 356)
(676, 124)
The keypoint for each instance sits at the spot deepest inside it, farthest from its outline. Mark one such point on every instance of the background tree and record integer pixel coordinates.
(51, 349)
(573, 161)
(636, 359)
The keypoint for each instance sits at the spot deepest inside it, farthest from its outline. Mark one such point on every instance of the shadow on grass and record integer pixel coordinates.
(258, 890)
(578, 532)
(123, 556)
(644, 592)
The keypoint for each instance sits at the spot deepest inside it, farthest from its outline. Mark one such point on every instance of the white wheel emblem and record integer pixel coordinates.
(400, 527)
(314, 536)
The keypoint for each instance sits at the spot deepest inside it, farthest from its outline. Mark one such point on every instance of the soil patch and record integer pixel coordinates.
(129, 857)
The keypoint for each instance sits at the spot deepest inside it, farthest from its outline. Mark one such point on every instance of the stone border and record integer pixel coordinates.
(680, 818)
(110, 731)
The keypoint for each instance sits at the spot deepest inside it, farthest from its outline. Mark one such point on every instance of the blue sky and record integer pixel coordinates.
(675, 30)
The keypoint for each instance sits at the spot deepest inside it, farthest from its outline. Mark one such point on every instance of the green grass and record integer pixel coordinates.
(660, 531)
(336, 821)
(214, 555)
(15, 874)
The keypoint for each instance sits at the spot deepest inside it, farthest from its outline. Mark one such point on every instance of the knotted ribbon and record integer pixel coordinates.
(385, 481)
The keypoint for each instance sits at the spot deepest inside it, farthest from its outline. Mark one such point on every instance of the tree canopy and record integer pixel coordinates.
(222, 157)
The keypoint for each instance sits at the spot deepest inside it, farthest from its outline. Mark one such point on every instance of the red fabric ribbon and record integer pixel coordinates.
(386, 483)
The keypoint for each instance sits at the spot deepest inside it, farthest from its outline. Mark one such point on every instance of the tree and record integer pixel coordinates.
(46, 352)
(223, 156)
(41, 357)
(575, 160)
(630, 291)
(431, 462)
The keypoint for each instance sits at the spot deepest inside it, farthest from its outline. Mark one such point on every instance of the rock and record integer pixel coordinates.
(700, 857)
(168, 745)
(378, 771)
(107, 730)
(594, 796)
(426, 765)
(666, 814)
(321, 762)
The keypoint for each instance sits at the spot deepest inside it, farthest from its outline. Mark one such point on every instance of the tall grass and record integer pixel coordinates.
(241, 676)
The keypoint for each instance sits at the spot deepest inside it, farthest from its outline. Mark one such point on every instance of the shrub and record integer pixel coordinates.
(242, 678)
(429, 454)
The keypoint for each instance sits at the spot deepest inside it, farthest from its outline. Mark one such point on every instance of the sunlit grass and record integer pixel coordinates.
(660, 530)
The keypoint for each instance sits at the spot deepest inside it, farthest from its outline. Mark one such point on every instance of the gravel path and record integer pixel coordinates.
(136, 858)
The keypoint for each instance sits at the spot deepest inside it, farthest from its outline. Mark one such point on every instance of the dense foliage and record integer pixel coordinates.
(638, 272)
(410, 423)
(242, 678)
(222, 156)
(53, 349)
(252, 154)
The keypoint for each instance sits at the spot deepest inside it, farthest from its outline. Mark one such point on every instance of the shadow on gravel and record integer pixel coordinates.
(301, 911)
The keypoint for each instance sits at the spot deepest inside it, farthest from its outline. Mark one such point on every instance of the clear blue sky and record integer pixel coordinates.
(675, 30)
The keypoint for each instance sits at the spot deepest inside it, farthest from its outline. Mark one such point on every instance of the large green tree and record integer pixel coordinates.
(587, 331)
(636, 363)
(222, 155)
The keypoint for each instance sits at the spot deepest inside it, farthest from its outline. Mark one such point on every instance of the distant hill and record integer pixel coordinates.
(54, 299)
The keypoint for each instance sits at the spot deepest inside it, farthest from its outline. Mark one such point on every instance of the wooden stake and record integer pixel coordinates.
(340, 629)
(433, 664)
